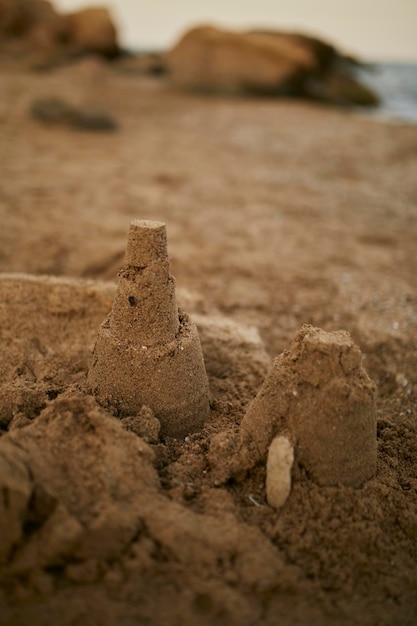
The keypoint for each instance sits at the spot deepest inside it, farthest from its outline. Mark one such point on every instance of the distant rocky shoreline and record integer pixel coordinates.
(269, 63)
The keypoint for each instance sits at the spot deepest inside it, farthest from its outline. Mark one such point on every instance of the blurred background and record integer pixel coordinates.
(376, 29)
(381, 32)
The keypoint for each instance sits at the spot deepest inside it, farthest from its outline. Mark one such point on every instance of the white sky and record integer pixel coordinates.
(374, 29)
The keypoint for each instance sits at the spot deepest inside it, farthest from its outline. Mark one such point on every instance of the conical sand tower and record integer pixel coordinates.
(148, 353)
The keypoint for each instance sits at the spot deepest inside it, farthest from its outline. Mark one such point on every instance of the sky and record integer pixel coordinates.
(372, 29)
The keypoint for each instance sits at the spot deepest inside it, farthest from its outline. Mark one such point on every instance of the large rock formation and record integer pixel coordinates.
(263, 62)
(34, 26)
(221, 61)
(92, 30)
(35, 22)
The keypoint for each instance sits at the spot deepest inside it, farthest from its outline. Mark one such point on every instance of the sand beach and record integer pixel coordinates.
(279, 214)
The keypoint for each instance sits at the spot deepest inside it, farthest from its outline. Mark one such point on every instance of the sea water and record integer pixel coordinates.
(396, 85)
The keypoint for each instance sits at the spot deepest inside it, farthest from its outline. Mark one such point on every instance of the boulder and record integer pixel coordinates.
(19, 18)
(34, 26)
(325, 54)
(214, 60)
(267, 63)
(93, 30)
(31, 26)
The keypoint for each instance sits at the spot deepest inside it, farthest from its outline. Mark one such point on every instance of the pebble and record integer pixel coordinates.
(278, 471)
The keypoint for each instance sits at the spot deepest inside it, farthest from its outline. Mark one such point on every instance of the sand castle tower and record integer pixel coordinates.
(148, 352)
(317, 408)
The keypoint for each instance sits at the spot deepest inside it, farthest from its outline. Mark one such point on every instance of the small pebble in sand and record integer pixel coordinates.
(278, 471)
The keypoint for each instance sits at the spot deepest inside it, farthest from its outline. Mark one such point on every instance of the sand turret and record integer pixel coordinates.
(318, 398)
(148, 352)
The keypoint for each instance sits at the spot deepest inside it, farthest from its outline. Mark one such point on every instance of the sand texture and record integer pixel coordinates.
(279, 214)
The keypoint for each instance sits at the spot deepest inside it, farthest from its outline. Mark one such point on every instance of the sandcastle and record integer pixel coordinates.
(315, 412)
(317, 408)
(148, 352)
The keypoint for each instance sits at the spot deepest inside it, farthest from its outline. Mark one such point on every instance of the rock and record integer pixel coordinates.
(51, 111)
(324, 53)
(48, 30)
(267, 63)
(210, 59)
(19, 16)
(278, 471)
(36, 21)
(57, 111)
(92, 119)
(93, 30)
(319, 393)
(56, 38)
